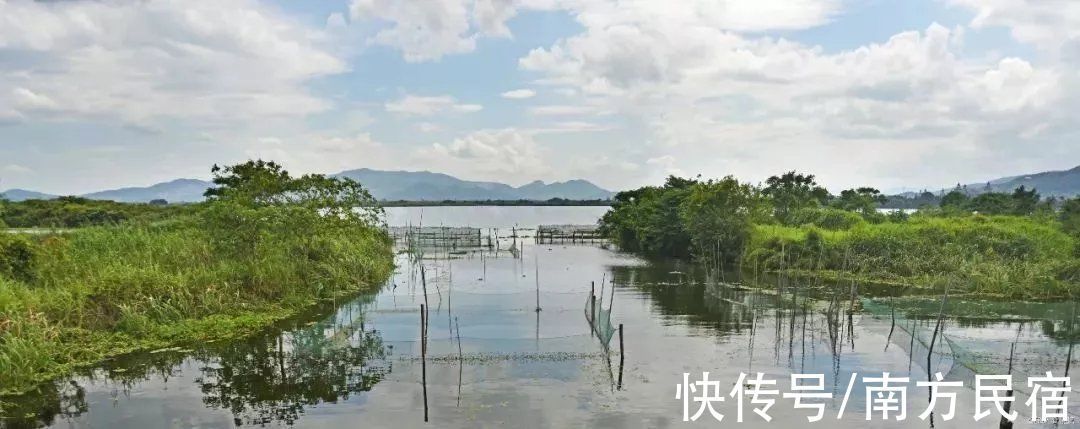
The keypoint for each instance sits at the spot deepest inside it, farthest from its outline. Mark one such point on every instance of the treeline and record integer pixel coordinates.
(264, 246)
(74, 212)
(547, 202)
(1009, 244)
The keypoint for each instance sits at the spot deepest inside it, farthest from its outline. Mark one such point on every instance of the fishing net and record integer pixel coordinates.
(1023, 347)
(599, 319)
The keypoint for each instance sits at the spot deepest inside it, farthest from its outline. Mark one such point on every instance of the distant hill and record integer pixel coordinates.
(1065, 183)
(175, 191)
(23, 194)
(424, 185)
(384, 185)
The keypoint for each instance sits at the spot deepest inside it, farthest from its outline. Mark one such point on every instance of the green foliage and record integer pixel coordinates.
(648, 219)
(74, 212)
(826, 218)
(862, 200)
(1024, 202)
(1070, 216)
(16, 257)
(792, 191)
(955, 200)
(266, 246)
(1012, 247)
(1001, 255)
(686, 217)
(719, 216)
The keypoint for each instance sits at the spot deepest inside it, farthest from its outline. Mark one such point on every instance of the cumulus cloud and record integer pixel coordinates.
(227, 59)
(315, 153)
(718, 99)
(502, 154)
(416, 105)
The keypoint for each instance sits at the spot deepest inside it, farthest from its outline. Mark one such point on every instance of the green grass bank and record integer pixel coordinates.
(265, 247)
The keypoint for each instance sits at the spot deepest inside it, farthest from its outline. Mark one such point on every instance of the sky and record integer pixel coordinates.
(900, 95)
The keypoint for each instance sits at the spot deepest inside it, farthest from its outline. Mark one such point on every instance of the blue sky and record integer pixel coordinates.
(898, 95)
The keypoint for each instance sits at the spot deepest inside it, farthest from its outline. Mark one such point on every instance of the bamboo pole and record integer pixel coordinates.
(423, 356)
(622, 355)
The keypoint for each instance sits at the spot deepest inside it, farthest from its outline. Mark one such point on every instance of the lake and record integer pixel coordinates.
(492, 360)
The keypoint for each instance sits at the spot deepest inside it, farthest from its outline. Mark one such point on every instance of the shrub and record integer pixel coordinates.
(826, 218)
(16, 257)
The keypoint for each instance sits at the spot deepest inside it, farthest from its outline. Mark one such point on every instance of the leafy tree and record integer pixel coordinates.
(159, 202)
(257, 209)
(991, 203)
(721, 214)
(1024, 202)
(647, 219)
(864, 200)
(792, 191)
(955, 199)
(1070, 216)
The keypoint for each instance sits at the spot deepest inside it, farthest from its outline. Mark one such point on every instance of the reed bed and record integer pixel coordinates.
(99, 292)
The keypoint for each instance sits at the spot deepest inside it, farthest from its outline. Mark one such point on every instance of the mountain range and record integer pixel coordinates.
(384, 185)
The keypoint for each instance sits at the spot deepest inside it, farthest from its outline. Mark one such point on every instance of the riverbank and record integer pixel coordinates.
(101, 292)
(265, 246)
(1027, 251)
(1003, 256)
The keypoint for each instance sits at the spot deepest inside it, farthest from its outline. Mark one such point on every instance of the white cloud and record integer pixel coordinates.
(564, 110)
(16, 169)
(416, 105)
(140, 61)
(518, 94)
(314, 153)
(719, 101)
(508, 155)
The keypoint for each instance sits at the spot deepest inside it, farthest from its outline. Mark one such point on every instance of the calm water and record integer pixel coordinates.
(494, 361)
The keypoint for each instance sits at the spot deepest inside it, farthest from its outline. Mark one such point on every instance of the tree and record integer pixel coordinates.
(991, 203)
(159, 202)
(792, 191)
(864, 200)
(257, 209)
(954, 200)
(721, 214)
(1024, 202)
(1070, 216)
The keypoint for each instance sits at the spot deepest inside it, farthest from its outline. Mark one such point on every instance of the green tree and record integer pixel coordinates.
(991, 203)
(647, 219)
(792, 191)
(721, 214)
(1024, 201)
(864, 200)
(258, 209)
(1070, 216)
(955, 199)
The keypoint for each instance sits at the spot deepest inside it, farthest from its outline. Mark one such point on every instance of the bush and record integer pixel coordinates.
(1005, 255)
(826, 218)
(16, 257)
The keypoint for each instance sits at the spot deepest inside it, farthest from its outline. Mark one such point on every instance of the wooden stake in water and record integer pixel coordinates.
(537, 263)
(622, 355)
(423, 356)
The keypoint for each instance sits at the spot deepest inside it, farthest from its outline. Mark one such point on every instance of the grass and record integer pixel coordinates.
(1006, 256)
(99, 292)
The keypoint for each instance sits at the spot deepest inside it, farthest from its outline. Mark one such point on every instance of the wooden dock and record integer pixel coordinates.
(568, 234)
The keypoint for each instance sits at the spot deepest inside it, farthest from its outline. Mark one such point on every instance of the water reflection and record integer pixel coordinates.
(268, 379)
(493, 359)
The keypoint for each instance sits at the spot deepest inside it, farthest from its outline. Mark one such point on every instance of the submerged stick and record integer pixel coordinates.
(622, 355)
(537, 264)
(461, 359)
(423, 356)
